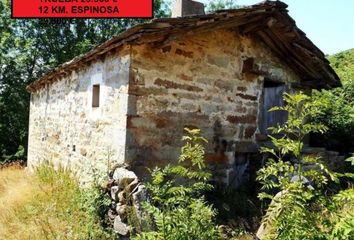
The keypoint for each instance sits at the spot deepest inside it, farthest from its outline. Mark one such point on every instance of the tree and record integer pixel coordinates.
(215, 5)
(14, 75)
(343, 64)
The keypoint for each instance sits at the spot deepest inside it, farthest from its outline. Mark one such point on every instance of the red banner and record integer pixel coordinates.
(82, 8)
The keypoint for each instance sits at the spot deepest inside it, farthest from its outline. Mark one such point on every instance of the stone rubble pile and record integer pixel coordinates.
(127, 193)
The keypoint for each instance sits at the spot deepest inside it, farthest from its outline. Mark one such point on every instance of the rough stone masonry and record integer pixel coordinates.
(148, 95)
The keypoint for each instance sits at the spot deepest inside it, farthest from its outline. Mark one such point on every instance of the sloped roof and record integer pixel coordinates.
(267, 21)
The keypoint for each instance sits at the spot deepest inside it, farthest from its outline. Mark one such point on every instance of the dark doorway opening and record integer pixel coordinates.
(272, 97)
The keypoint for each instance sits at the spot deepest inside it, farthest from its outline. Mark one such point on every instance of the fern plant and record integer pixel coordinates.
(177, 204)
(342, 216)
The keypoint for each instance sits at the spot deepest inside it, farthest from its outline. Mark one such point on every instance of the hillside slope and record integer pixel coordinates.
(337, 107)
(343, 64)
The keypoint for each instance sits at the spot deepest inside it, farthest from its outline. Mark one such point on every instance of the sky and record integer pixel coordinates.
(329, 24)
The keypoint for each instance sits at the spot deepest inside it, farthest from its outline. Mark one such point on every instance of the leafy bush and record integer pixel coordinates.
(342, 221)
(337, 112)
(287, 215)
(295, 183)
(177, 203)
(337, 108)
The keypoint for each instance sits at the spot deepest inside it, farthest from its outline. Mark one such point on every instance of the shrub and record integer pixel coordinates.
(337, 112)
(342, 221)
(295, 183)
(287, 215)
(337, 108)
(177, 203)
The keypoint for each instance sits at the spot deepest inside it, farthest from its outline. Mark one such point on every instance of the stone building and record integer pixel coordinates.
(133, 95)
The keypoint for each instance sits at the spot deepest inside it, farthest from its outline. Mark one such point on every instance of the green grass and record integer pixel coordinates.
(46, 205)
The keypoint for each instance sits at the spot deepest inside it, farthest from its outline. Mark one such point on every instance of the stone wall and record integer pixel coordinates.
(149, 93)
(64, 127)
(196, 81)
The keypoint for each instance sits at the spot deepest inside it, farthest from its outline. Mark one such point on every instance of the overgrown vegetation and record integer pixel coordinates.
(295, 186)
(177, 205)
(48, 205)
(301, 207)
(343, 64)
(239, 209)
(337, 107)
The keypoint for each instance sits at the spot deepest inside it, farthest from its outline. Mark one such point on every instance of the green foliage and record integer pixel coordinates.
(90, 204)
(97, 203)
(343, 64)
(288, 144)
(337, 107)
(296, 210)
(215, 5)
(351, 160)
(342, 217)
(177, 203)
(13, 97)
(337, 112)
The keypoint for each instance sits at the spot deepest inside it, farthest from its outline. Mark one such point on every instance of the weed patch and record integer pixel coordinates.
(46, 205)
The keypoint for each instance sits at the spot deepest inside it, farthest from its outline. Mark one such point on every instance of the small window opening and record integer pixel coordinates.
(248, 65)
(96, 95)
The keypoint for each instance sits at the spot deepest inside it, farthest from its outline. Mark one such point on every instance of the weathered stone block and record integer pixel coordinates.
(249, 131)
(247, 96)
(114, 192)
(120, 227)
(251, 119)
(186, 54)
(121, 210)
(224, 85)
(174, 85)
(123, 177)
(220, 61)
(140, 195)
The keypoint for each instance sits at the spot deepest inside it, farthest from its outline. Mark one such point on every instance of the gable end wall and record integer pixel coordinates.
(196, 82)
(64, 127)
